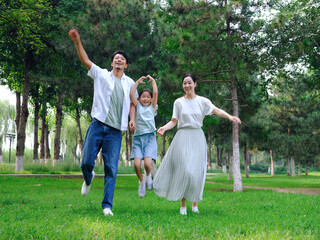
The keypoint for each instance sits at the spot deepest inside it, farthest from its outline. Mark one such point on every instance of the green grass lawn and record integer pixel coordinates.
(52, 208)
(264, 180)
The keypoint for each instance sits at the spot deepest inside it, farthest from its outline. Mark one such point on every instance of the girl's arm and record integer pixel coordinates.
(224, 114)
(155, 92)
(75, 37)
(132, 114)
(133, 97)
(168, 126)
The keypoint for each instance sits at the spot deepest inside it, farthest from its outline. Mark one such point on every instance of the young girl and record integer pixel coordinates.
(144, 144)
(181, 175)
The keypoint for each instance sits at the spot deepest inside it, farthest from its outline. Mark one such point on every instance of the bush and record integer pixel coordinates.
(259, 168)
(8, 168)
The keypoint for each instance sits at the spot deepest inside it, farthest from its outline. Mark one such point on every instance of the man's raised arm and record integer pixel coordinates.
(75, 37)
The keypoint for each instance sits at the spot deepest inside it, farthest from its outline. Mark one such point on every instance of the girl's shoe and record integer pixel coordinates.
(142, 188)
(195, 209)
(183, 210)
(149, 182)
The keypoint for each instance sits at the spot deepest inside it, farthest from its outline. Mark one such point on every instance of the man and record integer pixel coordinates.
(110, 110)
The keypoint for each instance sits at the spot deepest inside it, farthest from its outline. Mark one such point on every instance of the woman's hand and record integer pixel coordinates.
(161, 130)
(235, 119)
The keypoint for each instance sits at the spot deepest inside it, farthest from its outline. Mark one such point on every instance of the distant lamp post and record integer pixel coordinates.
(11, 137)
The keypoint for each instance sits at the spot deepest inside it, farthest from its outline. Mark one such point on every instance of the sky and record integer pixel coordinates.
(5, 93)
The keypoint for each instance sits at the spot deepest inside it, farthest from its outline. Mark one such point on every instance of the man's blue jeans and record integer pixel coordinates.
(100, 135)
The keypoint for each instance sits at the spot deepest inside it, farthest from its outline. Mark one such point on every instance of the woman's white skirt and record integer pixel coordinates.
(183, 169)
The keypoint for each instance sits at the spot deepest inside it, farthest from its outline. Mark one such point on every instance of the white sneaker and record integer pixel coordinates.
(142, 188)
(183, 210)
(86, 188)
(195, 209)
(107, 212)
(149, 182)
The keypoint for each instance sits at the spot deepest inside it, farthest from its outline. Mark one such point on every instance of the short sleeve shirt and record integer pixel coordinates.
(104, 85)
(191, 112)
(116, 101)
(144, 120)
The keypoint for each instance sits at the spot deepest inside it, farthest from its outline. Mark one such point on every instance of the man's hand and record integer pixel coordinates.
(74, 35)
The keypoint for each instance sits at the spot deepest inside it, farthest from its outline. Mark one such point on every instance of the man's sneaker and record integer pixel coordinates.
(107, 212)
(86, 188)
(183, 210)
(195, 209)
(142, 188)
(149, 182)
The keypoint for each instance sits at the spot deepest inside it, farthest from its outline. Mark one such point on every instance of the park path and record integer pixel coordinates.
(307, 191)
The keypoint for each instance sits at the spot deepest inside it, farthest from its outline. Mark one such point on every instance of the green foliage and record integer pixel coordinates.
(223, 214)
(259, 168)
(168, 39)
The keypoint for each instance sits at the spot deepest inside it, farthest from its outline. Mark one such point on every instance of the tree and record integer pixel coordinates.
(21, 34)
(216, 41)
(7, 113)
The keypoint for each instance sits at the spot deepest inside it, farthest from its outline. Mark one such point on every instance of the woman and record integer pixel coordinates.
(181, 175)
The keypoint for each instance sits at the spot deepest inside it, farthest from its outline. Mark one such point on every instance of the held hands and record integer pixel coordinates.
(132, 126)
(161, 130)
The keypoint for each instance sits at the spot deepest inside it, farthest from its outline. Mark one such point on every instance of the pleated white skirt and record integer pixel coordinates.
(183, 169)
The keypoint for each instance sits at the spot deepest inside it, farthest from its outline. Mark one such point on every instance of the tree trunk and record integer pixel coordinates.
(79, 131)
(230, 168)
(18, 110)
(163, 152)
(209, 151)
(1, 156)
(36, 128)
(21, 134)
(306, 173)
(74, 153)
(100, 156)
(130, 145)
(272, 165)
(237, 181)
(224, 160)
(288, 167)
(120, 159)
(293, 167)
(153, 169)
(245, 160)
(217, 156)
(43, 128)
(46, 144)
(127, 148)
(221, 156)
(56, 151)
